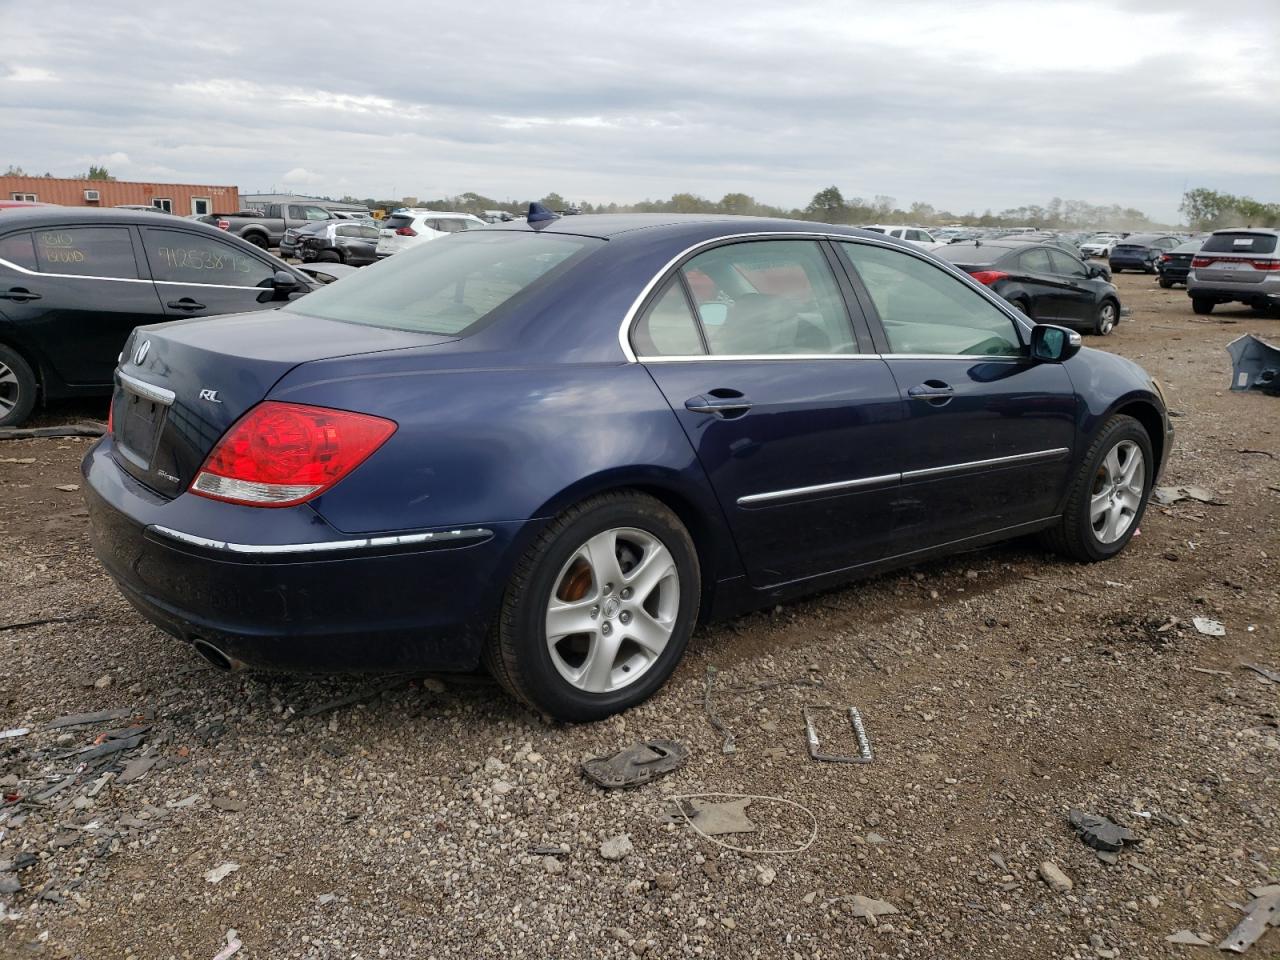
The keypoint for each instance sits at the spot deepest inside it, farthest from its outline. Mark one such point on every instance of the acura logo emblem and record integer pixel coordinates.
(142, 352)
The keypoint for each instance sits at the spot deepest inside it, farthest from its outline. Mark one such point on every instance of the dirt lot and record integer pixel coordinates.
(1000, 689)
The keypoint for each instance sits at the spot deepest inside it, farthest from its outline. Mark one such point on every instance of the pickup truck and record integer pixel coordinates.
(266, 228)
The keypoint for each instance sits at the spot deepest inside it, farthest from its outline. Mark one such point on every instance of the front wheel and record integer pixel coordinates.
(17, 388)
(600, 609)
(1105, 321)
(1201, 305)
(1108, 494)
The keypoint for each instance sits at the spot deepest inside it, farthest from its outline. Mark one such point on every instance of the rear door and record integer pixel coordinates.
(1076, 298)
(1035, 274)
(988, 432)
(792, 418)
(200, 275)
(76, 292)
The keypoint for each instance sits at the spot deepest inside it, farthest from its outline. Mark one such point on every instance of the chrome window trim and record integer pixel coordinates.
(693, 358)
(197, 283)
(1054, 454)
(70, 276)
(325, 546)
(624, 329)
(150, 391)
(771, 495)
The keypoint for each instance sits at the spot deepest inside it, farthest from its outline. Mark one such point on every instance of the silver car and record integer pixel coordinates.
(1240, 265)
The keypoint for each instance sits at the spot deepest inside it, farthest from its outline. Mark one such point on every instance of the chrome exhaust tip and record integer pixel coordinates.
(216, 656)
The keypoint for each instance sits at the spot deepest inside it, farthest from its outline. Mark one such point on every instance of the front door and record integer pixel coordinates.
(198, 275)
(753, 348)
(1079, 304)
(988, 432)
(77, 297)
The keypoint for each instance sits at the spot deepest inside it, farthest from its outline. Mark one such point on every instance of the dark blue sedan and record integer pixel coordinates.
(553, 447)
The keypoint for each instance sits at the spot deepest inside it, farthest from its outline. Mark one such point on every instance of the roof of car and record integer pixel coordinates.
(1263, 231)
(607, 225)
(57, 214)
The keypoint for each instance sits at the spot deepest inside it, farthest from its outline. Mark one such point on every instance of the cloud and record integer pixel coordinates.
(986, 104)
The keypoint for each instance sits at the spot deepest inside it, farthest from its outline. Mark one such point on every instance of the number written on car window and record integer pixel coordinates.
(182, 257)
(87, 251)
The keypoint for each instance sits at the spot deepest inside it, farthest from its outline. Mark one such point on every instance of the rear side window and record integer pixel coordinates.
(451, 225)
(397, 220)
(87, 252)
(924, 310)
(19, 249)
(179, 257)
(447, 286)
(1239, 243)
(667, 328)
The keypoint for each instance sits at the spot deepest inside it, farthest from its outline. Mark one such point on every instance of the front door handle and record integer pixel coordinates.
(935, 392)
(186, 303)
(19, 295)
(725, 404)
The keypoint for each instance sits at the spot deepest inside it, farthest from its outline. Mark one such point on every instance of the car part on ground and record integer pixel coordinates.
(864, 754)
(635, 765)
(1255, 365)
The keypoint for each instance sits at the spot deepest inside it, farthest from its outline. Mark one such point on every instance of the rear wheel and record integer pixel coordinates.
(17, 388)
(1201, 305)
(599, 611)
(1105, 321)
(1166, 282)
(1108, 494)
(257, 239)
(1021, 307)
(329, 256)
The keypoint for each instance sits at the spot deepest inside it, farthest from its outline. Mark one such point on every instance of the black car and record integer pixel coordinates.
(1044, 282)
(75, 281)
(1141, 251)
(1176, 264)
(345, 241)
(290, 243)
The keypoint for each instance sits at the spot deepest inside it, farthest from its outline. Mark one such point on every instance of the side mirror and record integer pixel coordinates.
(1053, 344)
(284, 280)
(1095, 271)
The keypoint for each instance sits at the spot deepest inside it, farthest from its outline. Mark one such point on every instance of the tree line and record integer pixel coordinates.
(1209, 210)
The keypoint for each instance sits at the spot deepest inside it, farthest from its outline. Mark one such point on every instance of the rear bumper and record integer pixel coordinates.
(1130, 263)
(1262, 294)
(321, 602)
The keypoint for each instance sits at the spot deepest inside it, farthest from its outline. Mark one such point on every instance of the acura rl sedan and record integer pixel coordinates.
(553, 447)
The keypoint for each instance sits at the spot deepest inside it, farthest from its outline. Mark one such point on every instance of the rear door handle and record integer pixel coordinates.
(725, 404)
(186, 303)
(19, 295)
(932, 391)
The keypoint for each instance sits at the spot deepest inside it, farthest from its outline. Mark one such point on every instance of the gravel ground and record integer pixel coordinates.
(433, 818)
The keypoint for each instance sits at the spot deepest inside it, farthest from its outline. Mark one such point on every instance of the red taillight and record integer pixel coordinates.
(281, 454)
(988, 277)
(1203, 261)
(111, 418)
(1165, 258)
(406, 232)
(224, 224)
(1265, 264)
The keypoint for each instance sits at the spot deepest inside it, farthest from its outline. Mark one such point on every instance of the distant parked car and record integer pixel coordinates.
(1044, 282)
(1238, 265)
(1141, 251)
(265, 228)
(348, 242)
(1176, 264)
(1099, 245)
(289, 243)
(921, 238)
(400, 231)
(74, 281)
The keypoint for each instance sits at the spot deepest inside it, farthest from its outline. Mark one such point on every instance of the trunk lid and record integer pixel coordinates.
(180, 385)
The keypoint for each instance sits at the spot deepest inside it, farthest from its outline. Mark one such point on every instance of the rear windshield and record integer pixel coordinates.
(973, 254)
(448, 286)
(397, 220)
(1138, 240)
(1239, 243)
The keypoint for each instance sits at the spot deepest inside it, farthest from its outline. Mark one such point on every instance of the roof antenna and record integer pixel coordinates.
(539, 214)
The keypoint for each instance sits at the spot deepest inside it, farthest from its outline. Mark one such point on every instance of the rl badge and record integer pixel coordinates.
(210, 395)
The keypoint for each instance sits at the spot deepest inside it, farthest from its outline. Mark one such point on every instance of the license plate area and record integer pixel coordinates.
(138, 424)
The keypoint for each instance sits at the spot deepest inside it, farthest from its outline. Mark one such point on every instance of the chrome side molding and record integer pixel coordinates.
(443, 538)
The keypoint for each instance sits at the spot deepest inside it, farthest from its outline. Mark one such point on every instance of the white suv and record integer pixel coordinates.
(408, 228)
(921, 238)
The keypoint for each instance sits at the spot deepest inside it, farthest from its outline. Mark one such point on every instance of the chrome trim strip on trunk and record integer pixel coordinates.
(148, 390)
(1054, 454)
(772, 495)
(441, 537)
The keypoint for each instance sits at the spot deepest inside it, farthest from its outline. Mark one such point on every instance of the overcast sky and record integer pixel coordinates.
(964, 104)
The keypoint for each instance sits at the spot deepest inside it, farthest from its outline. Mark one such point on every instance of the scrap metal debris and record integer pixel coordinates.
(1210, 628)
(731, 817)
(869, 908)
(233, 944)
(84, 719)
(1187, 938)
(220, 873)
(864, 754)
(1263, 672)
(637, 764)
(1262, 912)
(1255, 365)
(717, 819)
(729, 745)
(1165, 496)
(15, 732)
(1099, 832)
(88, 429)
(23, 624)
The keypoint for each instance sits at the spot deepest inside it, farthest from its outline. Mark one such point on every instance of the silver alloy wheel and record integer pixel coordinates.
(1106, 317)
(9, 389)
(612, 610)
(1117, 491)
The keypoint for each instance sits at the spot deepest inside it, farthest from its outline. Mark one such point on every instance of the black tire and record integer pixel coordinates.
(1115, 270)
(1201, 305)
(516, 652)
(328, 256)
(18, 388)
(1107, 317)
(1166, 283)
(258, 240)
(1021, 307)
(1152, 269)
(1074, 536)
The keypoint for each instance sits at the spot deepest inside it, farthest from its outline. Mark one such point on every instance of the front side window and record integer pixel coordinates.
(180, 257)
(450, 285)
(19, 249)
(1066, 265)
(768, 297)
(87, 252)
(925, 310)
(315, 213)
